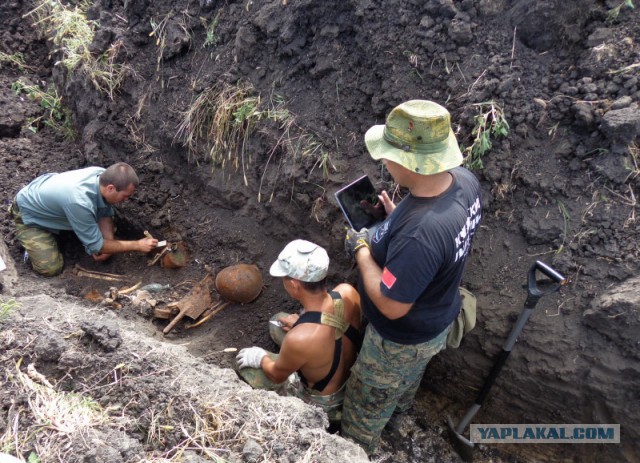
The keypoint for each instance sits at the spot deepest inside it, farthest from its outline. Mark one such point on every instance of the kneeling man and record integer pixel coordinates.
(317, 347)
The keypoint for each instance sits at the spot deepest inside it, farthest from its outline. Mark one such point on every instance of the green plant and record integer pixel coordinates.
(16, 59)
(490, 123)
(56, 116)
(69, 29)
(614, 13)
(211, 38)
(6, 307)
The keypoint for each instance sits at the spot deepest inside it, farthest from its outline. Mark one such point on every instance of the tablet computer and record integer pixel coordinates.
(349, 199)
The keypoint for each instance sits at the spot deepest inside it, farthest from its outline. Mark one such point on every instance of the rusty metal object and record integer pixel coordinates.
(193, 304)
(241, 283)
(217, 307)
(175, 257)
(93, 295)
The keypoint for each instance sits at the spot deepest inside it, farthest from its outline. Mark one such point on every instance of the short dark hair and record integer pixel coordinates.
(120, 175)
(314, 286)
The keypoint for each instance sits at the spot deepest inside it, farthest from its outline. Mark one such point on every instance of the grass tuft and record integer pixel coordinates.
(15, 59)
(55, 418)
(222, 118)
(72, 33)
(6, 307)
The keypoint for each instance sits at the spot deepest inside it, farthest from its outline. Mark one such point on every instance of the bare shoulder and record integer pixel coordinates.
(300, 342)
(350, 295)
(298, 336)
(351, 300)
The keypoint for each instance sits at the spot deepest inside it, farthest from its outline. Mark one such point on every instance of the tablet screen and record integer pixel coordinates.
(349, 199)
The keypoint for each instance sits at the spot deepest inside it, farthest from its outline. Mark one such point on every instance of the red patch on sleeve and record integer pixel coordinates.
(388, 278)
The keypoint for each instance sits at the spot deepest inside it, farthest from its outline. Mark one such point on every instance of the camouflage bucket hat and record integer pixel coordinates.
(301, 260)
(418, 136)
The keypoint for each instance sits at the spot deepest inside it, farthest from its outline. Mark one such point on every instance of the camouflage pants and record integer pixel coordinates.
(41, 245)
(384, 379)
(292, 387)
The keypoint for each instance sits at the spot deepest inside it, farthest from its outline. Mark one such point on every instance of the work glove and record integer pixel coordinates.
(355, 240)
(250, 357)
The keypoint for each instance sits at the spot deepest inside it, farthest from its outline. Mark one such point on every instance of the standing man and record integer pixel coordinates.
(411, 267)
(78, 200)
(320, 345)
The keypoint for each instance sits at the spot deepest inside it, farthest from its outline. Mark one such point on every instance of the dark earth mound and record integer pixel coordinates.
(562, 187)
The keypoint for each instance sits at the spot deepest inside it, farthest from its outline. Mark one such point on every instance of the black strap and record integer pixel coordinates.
(314, 317)
(351, 333)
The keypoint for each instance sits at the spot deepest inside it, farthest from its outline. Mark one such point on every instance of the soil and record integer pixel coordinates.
(562, 188)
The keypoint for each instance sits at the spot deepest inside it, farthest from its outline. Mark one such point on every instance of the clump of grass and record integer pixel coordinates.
(222, 117)
(159, 31)
(6, 307)
(208, 431)
(72, 33)
(158, 26)
(54, 418)
(56, 116)
(490, 123)
(15, 59)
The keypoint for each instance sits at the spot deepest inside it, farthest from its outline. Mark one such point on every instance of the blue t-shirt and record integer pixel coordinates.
(67, 201)
(422, 248)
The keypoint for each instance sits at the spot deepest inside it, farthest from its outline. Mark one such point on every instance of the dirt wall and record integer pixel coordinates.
(560, 188)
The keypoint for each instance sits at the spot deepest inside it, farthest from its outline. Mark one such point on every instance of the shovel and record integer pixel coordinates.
(535, 290)
(193, 304)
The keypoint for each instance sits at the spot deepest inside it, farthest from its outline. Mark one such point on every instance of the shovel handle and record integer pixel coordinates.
(534, 289)
(174, 322)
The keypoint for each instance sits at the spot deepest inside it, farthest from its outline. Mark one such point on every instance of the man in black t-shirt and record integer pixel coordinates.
(411, 268)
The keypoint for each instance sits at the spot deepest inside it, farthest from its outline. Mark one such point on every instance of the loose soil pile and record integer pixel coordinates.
(562, 187)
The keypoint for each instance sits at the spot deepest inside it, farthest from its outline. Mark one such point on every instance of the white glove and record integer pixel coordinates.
(250, 357)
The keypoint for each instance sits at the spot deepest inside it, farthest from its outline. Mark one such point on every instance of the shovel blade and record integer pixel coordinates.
(463, 446)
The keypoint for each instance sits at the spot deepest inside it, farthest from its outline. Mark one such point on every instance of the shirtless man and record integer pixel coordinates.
(319, 346)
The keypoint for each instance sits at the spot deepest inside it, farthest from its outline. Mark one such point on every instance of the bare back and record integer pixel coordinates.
(315, 344)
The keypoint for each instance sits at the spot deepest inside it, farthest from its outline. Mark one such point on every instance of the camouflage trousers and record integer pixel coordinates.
(41, 246)
(384, 380)
(292, 387)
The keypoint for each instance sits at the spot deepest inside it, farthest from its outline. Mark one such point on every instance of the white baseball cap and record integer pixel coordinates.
(301, 260)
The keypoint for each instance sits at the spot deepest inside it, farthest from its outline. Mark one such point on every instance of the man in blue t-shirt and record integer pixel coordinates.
(79, 200)
(411, 265)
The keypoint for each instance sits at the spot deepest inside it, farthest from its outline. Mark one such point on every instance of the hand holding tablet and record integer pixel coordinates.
(359, 204)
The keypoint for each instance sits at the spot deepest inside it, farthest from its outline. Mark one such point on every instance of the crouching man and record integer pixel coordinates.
(317, 347)
(79, 200)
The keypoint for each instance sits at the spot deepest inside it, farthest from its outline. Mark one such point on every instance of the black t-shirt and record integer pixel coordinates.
(422, 247)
